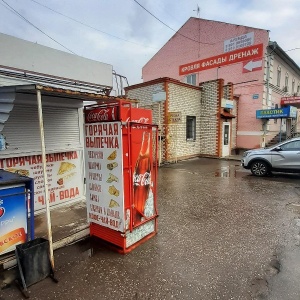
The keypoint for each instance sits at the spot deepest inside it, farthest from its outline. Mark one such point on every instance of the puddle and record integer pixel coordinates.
(294, 207)
(297, 189)
(230, 171)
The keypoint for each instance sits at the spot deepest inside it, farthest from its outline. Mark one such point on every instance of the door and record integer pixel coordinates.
(226, 139)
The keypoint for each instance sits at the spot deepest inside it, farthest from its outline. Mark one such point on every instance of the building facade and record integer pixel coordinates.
(260, 71)
(192, 120)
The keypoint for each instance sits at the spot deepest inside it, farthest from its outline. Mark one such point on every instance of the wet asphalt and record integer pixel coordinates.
(223, 234)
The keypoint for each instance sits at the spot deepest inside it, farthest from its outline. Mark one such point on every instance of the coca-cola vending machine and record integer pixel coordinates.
(121, 173)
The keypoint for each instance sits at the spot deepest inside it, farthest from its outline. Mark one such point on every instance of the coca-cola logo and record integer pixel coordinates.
(142, 179)
(2, 211)
(100, 115)
(140, 120)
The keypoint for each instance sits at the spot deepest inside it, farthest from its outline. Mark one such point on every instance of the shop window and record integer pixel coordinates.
(191, 79)
(278, 76)
(191, 128)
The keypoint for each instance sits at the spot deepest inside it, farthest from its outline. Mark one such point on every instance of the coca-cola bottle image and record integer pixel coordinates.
(142, 178)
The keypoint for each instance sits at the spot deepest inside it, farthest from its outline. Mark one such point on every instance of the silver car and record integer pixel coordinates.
(283, 157)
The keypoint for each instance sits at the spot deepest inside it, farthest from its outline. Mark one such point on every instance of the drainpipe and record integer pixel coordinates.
(268, 90)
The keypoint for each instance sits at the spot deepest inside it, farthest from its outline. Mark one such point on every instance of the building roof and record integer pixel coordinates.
(275, 48)
(161, 80)
(8, 94)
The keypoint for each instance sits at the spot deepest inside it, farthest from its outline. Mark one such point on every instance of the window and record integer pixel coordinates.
(298, 88)
(286, 82)
(191, 79)
(293, 86)
(278, 76)
(191, 128)
(292, 146)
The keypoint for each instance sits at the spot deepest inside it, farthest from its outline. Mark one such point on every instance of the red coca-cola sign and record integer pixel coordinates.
(101, 114)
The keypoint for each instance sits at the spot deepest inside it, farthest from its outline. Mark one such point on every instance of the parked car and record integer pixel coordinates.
(283, 157)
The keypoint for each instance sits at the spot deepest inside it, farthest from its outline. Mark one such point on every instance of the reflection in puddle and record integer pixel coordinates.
(294, 207)
(232, 171)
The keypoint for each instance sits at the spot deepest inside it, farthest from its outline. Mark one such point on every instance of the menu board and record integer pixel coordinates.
(64, 173)
(104, 174)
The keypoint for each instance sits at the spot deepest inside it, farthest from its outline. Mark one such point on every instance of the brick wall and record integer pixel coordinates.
(209, 118)
(204, 103)
(187, 101)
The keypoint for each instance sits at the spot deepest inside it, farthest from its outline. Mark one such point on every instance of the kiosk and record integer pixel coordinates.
(121, 173)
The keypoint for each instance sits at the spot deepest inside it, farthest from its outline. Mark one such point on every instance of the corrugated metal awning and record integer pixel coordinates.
(8, 95)
(6, 105)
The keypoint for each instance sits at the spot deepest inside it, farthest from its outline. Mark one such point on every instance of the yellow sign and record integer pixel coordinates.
(174, 117)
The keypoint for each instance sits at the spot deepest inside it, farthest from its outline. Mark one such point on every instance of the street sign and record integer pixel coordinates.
(252, 65)
(248, 53)
(255, 96)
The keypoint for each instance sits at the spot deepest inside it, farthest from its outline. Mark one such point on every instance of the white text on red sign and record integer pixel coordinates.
(255, 51)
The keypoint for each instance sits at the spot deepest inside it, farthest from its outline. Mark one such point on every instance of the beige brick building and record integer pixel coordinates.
(193, 120)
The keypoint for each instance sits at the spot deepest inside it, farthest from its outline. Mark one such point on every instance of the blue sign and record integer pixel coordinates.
(255, 96)
(277, 113)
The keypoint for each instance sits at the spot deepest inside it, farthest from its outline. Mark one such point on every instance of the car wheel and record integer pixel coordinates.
(260, 168)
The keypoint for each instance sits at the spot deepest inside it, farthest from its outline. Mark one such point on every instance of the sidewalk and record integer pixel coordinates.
(69, 224)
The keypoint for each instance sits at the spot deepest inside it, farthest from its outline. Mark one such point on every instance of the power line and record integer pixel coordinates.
(89, 26)
(292, 49)
(168, 25)
(22, 17)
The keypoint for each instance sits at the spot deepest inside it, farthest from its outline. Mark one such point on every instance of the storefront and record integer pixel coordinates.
(62, 115)
(288, 117)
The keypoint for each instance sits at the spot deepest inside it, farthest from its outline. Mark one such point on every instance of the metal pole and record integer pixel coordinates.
(280, 130)
(48, 217)
(160, 135)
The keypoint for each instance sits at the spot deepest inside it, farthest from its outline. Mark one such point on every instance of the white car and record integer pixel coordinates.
(283, 157)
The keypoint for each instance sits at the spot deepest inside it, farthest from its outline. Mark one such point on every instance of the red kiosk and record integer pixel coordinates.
(121, 173)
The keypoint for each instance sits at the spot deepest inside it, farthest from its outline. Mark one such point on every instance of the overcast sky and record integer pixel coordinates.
(121, 33)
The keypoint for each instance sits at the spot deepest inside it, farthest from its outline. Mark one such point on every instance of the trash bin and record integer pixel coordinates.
(33, 262)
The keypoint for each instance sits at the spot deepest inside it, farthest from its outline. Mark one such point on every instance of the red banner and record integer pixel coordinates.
(290, 100)
(248, 53)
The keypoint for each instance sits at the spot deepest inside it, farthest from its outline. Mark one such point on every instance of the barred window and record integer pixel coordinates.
(191, 128)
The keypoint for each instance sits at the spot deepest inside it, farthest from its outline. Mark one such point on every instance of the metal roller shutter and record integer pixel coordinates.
(61, 126)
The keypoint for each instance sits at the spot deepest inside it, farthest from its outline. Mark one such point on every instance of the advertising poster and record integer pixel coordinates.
(13, 219)
(104, 174)
(143, 199)
(65, 180)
